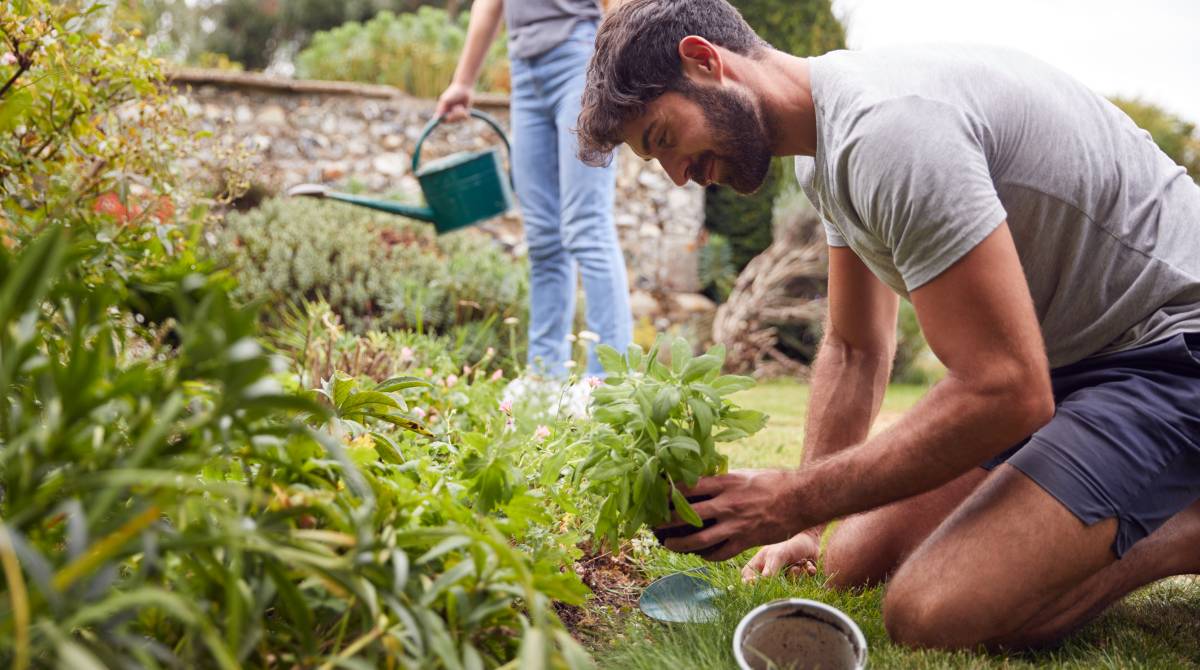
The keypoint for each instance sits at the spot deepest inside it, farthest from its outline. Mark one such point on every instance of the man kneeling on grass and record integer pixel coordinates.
(1052, 253)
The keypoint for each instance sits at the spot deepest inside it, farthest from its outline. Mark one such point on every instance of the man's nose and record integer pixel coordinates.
(676, 168)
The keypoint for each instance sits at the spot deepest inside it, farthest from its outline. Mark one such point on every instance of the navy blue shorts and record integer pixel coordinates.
(1124, 442)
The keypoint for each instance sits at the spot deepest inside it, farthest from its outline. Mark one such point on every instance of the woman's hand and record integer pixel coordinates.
(455, 101)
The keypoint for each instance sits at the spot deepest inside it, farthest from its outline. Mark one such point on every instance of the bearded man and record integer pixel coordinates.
(1052, 254)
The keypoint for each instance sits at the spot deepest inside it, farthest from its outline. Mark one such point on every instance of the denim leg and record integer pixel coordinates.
(586, 212)
(535, 177)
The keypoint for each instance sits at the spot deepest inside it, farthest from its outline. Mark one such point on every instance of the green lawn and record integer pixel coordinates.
(1158, 627)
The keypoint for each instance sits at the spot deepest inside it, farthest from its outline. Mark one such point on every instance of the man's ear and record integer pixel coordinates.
(701, 60)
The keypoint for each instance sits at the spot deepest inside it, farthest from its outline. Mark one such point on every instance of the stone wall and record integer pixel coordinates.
(336, 133)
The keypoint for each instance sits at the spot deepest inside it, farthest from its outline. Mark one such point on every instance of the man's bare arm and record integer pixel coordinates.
(855, 359)
(979, 319)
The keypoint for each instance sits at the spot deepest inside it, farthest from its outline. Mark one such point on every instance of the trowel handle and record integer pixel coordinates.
(433, 123)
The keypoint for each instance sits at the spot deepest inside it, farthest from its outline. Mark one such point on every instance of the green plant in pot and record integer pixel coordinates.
(656, 433)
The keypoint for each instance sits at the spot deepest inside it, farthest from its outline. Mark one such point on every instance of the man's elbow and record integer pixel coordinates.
(1031, 401)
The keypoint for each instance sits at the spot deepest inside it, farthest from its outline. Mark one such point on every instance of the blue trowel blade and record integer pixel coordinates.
(683, 597)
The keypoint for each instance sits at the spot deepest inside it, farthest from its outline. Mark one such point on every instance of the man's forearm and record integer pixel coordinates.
(481, 31)
(955, 427)
(847, 385)
(847, 391)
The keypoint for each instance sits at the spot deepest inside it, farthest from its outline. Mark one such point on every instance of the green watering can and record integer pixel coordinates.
(462, 189)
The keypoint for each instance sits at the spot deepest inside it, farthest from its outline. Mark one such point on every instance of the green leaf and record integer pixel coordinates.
(700, 366)
(685, 443)
(635, 355)
(749, 420)
(444, 547)
(401, 383)
(611, 359)
(726, 384)
(702, 415)
(645, 480)
(681, 355)
(665, 401)
(730, 435)
(683, 509)
(13, 109)
(36, 266)
(533, 650)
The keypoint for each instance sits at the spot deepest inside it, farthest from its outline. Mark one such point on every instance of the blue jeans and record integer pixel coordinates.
(567, 209)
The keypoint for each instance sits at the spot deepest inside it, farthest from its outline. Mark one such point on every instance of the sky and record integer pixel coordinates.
(1132, 48)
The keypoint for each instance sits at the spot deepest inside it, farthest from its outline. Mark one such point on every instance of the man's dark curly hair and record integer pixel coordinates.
(637, 60)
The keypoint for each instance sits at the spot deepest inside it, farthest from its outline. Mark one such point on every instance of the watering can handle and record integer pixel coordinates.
(416, 160)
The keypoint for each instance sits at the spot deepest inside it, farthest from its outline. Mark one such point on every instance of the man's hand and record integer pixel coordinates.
(748, 508)
(798, 556)
(455, 102)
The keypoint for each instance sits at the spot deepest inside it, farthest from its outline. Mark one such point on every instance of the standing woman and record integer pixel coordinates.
(566, 205)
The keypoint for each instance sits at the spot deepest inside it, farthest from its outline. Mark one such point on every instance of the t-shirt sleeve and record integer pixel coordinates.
(832, 237)
(804, 175)
(919, 181)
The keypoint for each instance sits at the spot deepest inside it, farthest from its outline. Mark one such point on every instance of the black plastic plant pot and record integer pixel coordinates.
(680, 531)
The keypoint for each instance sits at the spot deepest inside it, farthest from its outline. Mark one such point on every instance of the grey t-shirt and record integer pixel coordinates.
(537, 26)
(923, 151)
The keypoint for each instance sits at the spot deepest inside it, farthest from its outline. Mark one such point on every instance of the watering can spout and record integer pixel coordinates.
(321, 191)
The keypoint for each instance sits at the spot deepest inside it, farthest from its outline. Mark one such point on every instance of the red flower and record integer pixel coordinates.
(109, 204)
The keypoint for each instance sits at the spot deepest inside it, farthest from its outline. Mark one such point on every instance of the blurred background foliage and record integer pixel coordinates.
(1177, 137)
(252, 33)
(415, 52)
(378, 272)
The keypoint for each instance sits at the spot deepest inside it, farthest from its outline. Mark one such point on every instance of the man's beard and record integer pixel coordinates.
(741, 138)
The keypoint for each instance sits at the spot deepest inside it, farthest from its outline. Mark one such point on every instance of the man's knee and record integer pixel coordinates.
(924, 610)
(861, 552)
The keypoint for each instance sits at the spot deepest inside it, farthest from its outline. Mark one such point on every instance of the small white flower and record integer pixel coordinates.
(511, 321)
(589, 336)
(569, 364)
(570, 337)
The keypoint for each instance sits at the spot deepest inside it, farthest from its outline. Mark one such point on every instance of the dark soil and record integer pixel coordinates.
(616, 581)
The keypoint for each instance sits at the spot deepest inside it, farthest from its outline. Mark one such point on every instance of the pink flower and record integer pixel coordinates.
(406, 354)
(498, 375)
(418, 412)
(428, 372)
(595, 382)
(506, 407)
(541, 433)
(466, 370)
(451, 380)
(8, 59)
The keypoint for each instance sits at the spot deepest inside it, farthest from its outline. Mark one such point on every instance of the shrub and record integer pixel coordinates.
(169, 497)
(376, 271)
(416, 52)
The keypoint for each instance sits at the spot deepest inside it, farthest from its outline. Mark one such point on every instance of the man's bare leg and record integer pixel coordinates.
(1173, 549)
(866, 548)
(1012, 567)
